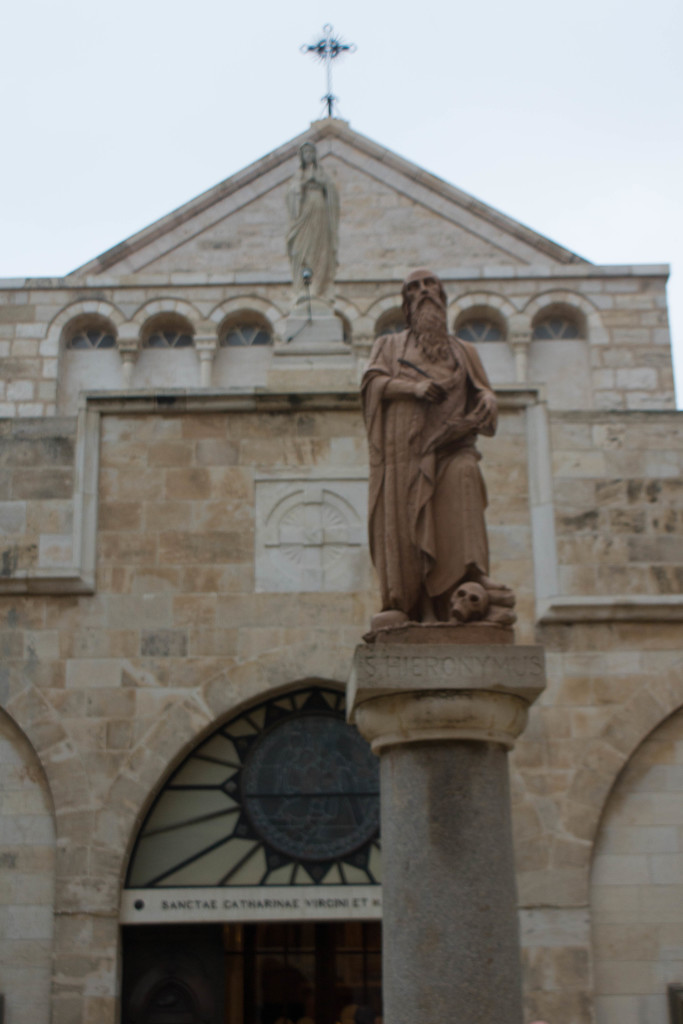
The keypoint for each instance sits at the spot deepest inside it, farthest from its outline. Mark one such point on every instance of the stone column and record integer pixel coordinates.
(128, 344)
(442, 718)
(206, 347)
(521, 342)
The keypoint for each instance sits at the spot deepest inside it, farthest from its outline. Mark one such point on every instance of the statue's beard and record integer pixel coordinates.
(428, 324)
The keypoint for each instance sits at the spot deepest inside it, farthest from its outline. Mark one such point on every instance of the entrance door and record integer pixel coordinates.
(270, 973)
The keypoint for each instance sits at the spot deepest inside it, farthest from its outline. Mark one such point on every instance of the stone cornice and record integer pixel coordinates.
(245, 279)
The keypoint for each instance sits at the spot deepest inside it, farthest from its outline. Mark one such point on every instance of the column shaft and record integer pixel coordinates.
(451, 948)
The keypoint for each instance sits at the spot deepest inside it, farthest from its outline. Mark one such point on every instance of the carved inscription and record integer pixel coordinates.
(405, 668)
(390, 669)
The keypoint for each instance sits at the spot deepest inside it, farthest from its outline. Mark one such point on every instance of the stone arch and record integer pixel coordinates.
(169, 305)
(497, 306)
(497, 356)
(607, 755)
(161, 367)
(374, 312)
(348, 314)
(29, 853)
(66, 778)
(635, 881)
(50, 346)
(588, 313)
(187, 723)
(250, 304)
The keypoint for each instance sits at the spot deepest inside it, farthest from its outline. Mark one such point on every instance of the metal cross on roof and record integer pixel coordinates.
(328, 49)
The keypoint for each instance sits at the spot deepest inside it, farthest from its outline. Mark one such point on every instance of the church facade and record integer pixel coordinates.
(185, 576)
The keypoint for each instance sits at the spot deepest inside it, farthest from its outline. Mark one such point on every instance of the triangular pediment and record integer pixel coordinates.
(393, 215)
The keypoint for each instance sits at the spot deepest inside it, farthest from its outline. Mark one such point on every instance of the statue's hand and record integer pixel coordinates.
(485, 409)
(430, 391)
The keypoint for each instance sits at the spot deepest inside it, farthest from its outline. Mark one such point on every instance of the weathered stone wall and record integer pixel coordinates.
(27, 866)
(36, 488)
(618, 486)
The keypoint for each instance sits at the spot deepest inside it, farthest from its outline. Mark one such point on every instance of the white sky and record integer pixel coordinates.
(564, 116)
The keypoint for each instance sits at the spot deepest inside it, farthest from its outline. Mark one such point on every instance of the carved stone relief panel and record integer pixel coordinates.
(311, 534)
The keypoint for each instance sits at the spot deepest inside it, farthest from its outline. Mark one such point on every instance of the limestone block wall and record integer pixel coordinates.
(113, 688)
(637, 884)
(618, 488)
(609, 686)
(27, 867)
(622, 360)
(36, 488)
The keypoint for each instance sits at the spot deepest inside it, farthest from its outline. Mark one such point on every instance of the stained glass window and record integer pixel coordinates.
(287, 793)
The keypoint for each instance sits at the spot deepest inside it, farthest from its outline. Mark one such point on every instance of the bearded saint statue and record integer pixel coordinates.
(425, 398)
(313, 207)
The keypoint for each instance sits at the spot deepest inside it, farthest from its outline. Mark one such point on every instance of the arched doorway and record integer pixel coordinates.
(253, 894)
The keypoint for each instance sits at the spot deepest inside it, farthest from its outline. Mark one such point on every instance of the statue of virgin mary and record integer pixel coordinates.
(313, 207)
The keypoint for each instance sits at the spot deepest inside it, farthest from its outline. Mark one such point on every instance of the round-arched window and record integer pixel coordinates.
(287, 793)
(168, 333)
(479, 329)
(391, 322)
(556, 327)
(246, 333)
(91, 334)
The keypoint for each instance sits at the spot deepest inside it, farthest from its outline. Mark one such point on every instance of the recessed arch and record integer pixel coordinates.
(558, 322)
(169, 306)
(470, 304)
(249, 304)
(231, 813)
(187, 723)
(608, 753)
(574, 304)
(636, 877)
(391, 321)
(29, 860)
(167, 330)
(380, 306)
(480, 323)
(245, 327)
(75, 312)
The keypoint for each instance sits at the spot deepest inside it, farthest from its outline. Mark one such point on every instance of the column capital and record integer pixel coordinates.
(409, 693)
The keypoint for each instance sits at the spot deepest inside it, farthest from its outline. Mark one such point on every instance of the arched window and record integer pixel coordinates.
(286, 793)
(557, 325)
(167, 331)
(390, 322)
(89, 333)
(246, 331)
(479, 329)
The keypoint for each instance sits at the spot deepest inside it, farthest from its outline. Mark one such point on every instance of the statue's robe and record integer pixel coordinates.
(312, 237)
(427, 495)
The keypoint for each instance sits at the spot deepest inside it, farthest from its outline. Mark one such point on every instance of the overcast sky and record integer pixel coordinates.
(567, 117)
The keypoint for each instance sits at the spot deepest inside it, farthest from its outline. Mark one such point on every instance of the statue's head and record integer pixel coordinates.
(419, 285)
(308, 154)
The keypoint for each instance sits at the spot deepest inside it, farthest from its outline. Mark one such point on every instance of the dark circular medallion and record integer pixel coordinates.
(310, 787)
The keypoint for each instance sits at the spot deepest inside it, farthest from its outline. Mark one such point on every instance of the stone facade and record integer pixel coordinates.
(183, 534)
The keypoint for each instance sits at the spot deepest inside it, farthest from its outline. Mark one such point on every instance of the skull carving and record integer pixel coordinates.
(469, 603)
